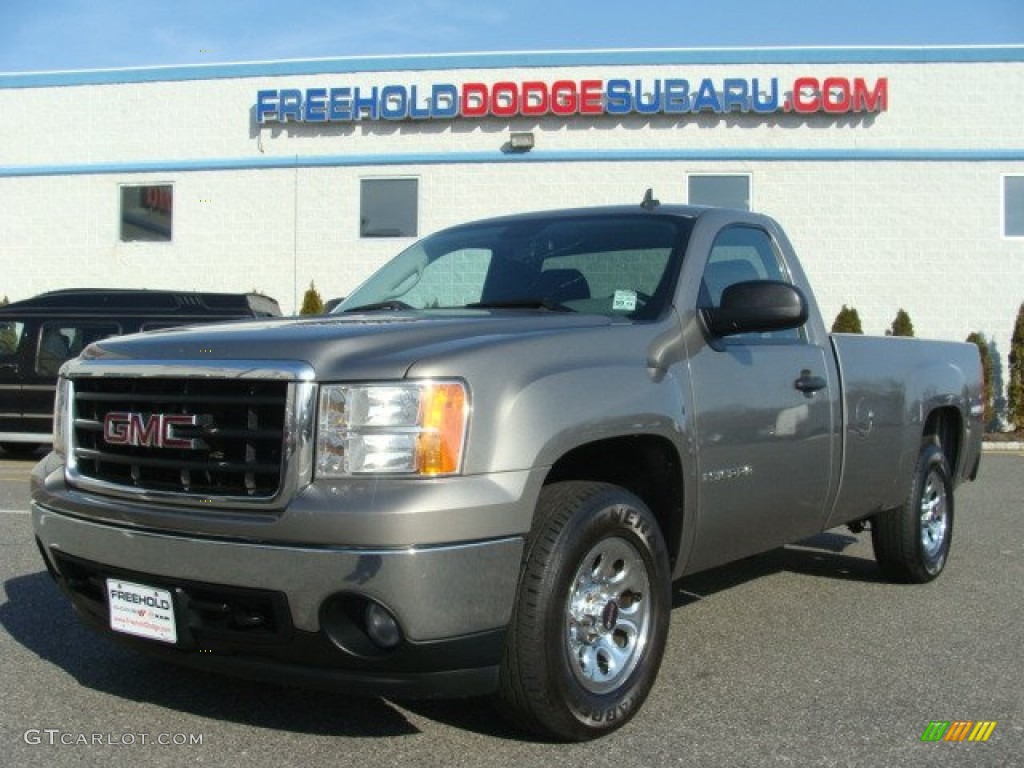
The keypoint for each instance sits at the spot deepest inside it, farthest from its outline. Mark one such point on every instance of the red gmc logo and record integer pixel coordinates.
(151, 430)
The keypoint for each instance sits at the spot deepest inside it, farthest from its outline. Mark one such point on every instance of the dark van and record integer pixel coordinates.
(37, 335)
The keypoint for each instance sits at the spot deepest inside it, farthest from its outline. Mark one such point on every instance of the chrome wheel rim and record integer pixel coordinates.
(934, 516)
(608, 615)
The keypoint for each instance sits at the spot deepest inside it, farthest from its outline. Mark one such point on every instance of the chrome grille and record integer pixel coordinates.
(236, 442)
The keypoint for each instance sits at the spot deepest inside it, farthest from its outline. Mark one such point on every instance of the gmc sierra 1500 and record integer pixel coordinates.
(484, 471)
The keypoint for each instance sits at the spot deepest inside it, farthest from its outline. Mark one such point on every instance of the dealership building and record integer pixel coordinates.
(897, 172)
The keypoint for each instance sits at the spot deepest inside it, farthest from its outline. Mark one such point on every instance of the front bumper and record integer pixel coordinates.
(293, 613)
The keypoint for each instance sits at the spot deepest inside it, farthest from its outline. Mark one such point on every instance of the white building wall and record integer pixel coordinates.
(900, 209)
(932, 105)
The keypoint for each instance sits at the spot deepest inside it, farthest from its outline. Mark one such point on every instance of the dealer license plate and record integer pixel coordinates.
(136, 609)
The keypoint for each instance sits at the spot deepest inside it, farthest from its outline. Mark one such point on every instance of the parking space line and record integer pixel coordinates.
(13, 511)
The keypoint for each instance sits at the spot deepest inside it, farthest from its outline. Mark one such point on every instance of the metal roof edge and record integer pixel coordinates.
(520, 59)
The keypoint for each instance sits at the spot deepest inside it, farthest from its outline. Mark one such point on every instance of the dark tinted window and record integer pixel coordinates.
(64, 339)
(11, 333)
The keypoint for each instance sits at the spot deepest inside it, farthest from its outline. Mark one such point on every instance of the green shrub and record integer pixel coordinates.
(312, 303)
(987, 375)
(847, 321)
(1015, 391)
(901, 326)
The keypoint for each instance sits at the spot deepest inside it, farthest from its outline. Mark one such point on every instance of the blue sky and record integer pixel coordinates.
(42, 35)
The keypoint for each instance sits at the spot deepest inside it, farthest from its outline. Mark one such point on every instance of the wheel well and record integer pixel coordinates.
(645, 465)
(945, 425)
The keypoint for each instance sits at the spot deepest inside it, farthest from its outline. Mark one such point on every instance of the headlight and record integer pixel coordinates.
(415, 428)
(61, 403)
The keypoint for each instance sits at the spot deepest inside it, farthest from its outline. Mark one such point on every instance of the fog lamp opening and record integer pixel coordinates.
(381, 626)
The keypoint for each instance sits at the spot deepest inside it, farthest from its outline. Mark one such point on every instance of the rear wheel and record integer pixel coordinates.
(912, 542)
(591, 615)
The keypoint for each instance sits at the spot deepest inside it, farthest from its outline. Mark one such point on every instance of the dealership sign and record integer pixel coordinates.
(565, 98)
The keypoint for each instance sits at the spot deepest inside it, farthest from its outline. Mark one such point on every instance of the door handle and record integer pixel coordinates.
(809, 384)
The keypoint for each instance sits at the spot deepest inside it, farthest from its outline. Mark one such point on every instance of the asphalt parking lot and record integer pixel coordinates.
(799, 657)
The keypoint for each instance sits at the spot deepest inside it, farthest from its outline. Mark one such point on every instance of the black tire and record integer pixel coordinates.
(591, 616)
(912, 542)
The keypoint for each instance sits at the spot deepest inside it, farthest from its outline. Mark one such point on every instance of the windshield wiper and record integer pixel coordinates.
(389, 304)
(521, 304)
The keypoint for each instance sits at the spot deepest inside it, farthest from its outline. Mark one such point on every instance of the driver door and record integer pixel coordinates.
(764, 445)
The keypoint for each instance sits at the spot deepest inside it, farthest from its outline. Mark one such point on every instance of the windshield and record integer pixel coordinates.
(617, 265)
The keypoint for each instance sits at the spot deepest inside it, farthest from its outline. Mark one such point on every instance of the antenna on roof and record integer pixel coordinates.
(649, 203)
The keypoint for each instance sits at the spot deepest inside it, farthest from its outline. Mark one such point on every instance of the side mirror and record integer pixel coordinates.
(757, 306)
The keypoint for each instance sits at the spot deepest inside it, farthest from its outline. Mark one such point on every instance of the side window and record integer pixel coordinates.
(741, 254)
(62, 340)
(11, 333)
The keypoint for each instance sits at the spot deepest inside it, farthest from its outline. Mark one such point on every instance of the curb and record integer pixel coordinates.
(1008, 447)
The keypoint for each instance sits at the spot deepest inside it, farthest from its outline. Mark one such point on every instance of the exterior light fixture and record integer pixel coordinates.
(519, 142)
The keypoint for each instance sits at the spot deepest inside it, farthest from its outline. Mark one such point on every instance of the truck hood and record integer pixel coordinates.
(378, 345)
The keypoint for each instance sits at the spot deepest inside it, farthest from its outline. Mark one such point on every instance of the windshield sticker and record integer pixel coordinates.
(624, 301)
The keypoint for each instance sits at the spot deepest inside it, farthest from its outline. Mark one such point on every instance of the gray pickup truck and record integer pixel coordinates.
(483, 472)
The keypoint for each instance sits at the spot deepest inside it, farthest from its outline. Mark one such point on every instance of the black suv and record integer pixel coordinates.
(37, 335)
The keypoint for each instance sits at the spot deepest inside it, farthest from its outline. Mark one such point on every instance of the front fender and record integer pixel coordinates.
(564, 410)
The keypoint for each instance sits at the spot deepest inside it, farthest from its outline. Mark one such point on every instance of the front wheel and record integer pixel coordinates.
(591, 616)
(912, 542)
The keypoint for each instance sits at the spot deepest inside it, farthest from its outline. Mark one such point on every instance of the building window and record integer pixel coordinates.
(721, 191)
(388, 207)
(1013, 206)
(146, 213)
